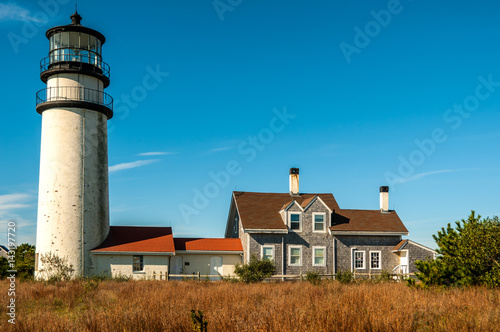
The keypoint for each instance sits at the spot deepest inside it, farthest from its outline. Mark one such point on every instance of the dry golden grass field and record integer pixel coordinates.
(291, 306)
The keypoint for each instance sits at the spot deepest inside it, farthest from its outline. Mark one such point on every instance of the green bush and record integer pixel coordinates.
(344, 277)
(255, 271)
(468, 254)
(313, 277)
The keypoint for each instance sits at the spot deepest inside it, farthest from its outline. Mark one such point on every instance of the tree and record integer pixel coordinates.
(4, 266)
(25, 260)
(468, 254)
(256, 270)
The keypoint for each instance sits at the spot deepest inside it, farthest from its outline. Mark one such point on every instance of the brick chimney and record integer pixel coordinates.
(294, 182)
(384, 199)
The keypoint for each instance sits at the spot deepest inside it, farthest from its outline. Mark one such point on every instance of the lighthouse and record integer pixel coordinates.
(73, 197)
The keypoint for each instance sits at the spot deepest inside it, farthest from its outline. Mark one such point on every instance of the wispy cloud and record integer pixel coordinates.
(425, 174)
(224, 148)
(155, 153)
(10, 204)
(134, 164)
(14, 201)
(13, 12)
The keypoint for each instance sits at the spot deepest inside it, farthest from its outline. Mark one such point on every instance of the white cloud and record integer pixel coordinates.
(421, 175)
(13, 12)
(224, 148)
(130, 165)
(155, 153)
(425, 174)
(25, 228)
(13, 201)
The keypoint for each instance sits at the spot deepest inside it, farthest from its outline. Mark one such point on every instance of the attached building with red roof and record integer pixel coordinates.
(151, 252)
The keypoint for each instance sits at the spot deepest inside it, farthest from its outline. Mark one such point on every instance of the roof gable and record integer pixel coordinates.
(288, 205)
(262, 210)
(138, 239)
(307, 203)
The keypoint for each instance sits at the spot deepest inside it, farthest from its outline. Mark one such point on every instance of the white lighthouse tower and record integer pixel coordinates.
(73, 199)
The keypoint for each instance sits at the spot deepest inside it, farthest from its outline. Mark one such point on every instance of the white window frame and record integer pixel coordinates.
(290, 221)
(314, 256)
(267, 246)
(290, 255)
(379, 260)
(354, 259)
(314, 223)
(141, 261)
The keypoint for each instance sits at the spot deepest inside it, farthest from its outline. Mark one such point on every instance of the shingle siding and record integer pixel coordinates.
(257, 241)
(384, 244)
(416, 253)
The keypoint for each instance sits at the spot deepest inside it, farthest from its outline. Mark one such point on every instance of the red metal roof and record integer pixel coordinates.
(367, 221)
(208, 244)
(261, 210)
(138, 239)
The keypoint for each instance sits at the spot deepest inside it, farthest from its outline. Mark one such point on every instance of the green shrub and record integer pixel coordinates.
(313, 277)
(344, 277)
(199, 323)
(255, 271)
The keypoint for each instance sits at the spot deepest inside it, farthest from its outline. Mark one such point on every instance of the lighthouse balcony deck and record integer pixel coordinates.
(72, 63)
(74, 97)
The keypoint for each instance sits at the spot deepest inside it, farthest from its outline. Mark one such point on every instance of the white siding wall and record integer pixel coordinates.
(121, 265)
(201, 263)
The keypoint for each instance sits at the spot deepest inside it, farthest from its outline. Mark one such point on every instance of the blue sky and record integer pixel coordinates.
(216, 96)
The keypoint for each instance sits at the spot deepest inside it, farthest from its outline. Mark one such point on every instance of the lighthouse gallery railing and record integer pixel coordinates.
(99, 66)
(74, 93)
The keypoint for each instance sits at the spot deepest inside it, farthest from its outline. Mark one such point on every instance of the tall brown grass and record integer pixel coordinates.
(299, 306)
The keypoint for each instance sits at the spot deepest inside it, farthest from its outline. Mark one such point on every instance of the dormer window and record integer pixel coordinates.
(319, 222)
(295, 221)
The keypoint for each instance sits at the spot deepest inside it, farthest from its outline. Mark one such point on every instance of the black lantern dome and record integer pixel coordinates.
(75, 49)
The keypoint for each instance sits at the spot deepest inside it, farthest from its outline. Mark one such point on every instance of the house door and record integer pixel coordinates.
(404, 261)
(176, 265)
(216, 266)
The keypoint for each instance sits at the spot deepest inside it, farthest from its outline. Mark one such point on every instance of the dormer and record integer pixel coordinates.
(291, 213)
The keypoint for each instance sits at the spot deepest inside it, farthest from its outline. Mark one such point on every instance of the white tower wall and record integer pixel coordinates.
(73, 207)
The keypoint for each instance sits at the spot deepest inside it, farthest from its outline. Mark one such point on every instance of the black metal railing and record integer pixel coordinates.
(98, 65)
(74, 93)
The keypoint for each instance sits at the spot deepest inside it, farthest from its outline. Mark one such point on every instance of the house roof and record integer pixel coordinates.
(400, 245)
(195, 244)
(261, 210)
(137, 239)
(367, 221)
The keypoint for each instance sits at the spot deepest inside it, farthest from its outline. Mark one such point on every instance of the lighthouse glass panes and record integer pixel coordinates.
(75, 46)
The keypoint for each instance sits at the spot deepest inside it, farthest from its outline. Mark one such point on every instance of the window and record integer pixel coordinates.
(295, 221)
(319, 256)
(375, 260)
(295, 255)
(138, 263)
(359, 259)
(268, 253)
(319, 222)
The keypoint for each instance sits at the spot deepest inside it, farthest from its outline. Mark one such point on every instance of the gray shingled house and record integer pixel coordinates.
(310, 232)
